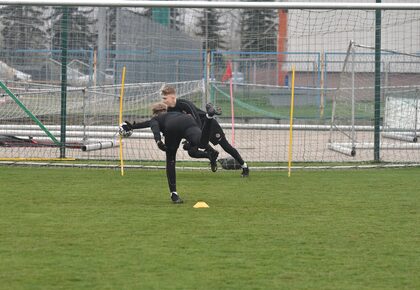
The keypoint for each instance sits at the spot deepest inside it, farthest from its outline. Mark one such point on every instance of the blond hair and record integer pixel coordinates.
(167, 90)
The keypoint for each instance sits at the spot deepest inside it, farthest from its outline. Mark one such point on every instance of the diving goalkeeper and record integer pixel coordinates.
(217, 136)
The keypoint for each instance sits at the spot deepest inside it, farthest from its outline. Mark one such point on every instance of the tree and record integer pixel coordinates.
(23, 27)
(81, 34)
(258, 30)
(211, 28)
(112, 26)
(175, 19)
(147, 12)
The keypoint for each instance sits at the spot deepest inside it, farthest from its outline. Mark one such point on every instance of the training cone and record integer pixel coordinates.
(201, 204)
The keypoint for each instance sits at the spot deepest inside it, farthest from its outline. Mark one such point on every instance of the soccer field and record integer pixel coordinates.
(93, 229)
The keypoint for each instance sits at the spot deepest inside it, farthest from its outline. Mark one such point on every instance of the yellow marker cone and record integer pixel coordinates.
(201, 204)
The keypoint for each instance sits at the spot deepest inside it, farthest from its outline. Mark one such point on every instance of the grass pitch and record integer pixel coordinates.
(93, 229)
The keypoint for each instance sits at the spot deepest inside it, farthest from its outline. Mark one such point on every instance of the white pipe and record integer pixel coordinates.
(68, 140)
(221, 4)
(58, 127)
(346, 150)
(100, 145)
(96, 134)
(370, 145)
(400, 136)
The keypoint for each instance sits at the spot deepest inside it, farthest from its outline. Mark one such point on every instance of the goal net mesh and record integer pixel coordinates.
(192, 49)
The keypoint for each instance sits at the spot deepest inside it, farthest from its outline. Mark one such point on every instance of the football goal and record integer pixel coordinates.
(62, 61)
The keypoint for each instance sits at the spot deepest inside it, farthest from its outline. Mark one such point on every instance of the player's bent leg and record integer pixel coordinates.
(229, 149)
(198, 138)
(195, 153)
(212, 155)
(235, 154)
(206, 130)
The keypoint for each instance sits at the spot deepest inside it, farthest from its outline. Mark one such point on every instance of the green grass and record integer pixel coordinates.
(93, 229)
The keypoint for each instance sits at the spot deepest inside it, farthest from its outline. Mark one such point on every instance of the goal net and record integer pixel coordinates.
(353, 104)
(241, 59)
(92, 116)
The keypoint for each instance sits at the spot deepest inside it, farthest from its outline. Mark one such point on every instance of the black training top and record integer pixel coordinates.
(187, 107)
(145, 124)
(171, 124)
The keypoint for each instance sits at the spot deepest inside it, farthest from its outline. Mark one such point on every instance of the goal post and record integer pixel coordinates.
(188, 45)
(352, 100)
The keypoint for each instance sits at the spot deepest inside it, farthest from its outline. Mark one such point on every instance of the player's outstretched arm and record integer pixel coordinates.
(141, 125)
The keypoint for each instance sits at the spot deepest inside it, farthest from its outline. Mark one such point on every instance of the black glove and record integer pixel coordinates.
(186, 145)
(161, 145)
(127, 126)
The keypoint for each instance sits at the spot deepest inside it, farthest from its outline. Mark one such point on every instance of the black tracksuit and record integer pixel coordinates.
(176, 126)
(217, 136)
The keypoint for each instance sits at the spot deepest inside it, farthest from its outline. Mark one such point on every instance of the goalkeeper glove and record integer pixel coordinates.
(124, 130)
(161, 145)
(127, 126)
(186, 145)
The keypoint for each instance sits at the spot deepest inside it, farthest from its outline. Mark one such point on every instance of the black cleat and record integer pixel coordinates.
(211, 110)
(213, 159)
(175, 198)
(245, 172)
